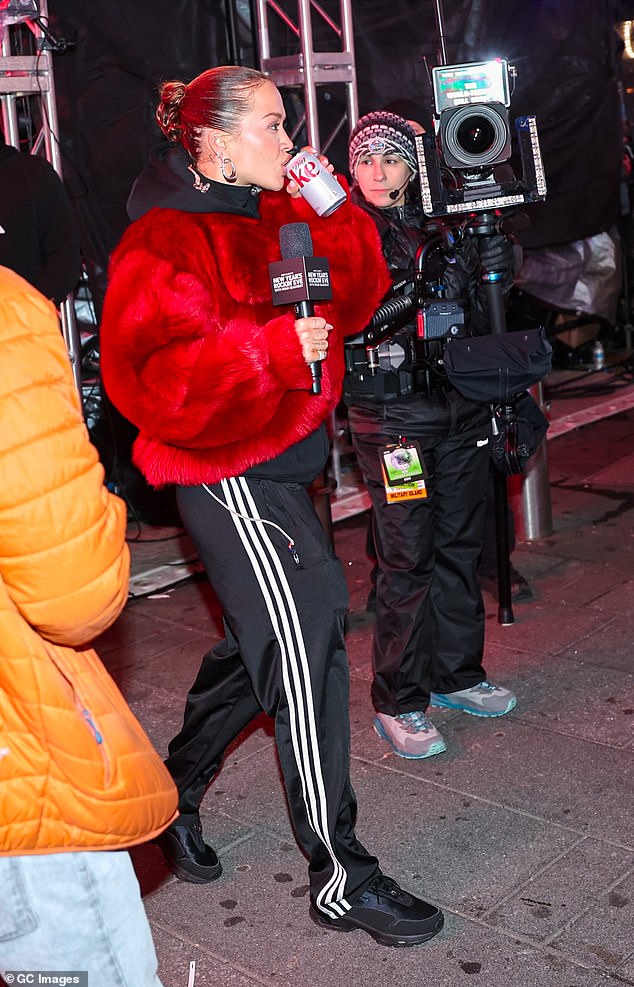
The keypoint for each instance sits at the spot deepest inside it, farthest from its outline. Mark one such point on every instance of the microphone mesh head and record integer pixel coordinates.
(295, 240)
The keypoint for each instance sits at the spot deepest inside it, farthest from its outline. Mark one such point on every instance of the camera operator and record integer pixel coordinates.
(429, 635)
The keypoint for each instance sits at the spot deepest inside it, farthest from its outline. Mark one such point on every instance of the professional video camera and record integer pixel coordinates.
(465, 174)
(463, 166)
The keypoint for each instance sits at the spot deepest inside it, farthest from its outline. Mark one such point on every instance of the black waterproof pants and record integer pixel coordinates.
(283, 653)
(429, 612)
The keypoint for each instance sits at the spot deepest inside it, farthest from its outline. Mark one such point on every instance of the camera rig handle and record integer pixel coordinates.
(399, 309)
(388, 318)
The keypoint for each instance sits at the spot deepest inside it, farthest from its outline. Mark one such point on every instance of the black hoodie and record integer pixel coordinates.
(170, 181)
(38, 235)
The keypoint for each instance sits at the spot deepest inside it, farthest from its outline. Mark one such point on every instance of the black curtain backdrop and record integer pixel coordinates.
(106, 87)
(566, 53)
(568, 58)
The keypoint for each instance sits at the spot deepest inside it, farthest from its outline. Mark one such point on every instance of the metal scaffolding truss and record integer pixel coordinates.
(29, 77)
(308, 69)
(305, 71)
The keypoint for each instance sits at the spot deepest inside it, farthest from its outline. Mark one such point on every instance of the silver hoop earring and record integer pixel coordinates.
(233, 174)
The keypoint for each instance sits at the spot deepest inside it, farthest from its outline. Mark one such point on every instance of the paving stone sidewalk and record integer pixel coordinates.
(523, 831)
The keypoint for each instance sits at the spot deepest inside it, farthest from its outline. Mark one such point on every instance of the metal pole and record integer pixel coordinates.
(440, 27)
(536, 500)
(8, 100)
(233, 44)
(50, 129)
(352, 99)
(310, 90)
(264, 41)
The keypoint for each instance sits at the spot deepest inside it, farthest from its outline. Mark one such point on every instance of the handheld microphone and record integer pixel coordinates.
(300, 279)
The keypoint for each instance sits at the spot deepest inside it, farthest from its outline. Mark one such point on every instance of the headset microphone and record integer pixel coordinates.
(394, 194)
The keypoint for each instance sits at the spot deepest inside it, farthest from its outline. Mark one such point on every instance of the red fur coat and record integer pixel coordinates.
(195, 355)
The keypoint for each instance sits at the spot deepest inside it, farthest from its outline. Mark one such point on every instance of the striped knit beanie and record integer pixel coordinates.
(380, 133)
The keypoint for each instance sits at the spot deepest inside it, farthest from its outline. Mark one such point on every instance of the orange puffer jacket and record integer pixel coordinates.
(77, 772)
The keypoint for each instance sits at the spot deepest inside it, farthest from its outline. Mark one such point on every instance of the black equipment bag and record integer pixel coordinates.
(493, 369)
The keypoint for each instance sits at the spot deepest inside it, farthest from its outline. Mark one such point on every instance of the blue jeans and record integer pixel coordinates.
(76, 911)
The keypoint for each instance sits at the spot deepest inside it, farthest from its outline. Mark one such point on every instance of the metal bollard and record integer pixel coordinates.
(536, 502)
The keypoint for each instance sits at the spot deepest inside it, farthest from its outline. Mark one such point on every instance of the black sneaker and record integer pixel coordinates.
(390, 915)
(187, 855)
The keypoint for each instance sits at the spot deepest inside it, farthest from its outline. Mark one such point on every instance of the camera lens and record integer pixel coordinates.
(476, 135)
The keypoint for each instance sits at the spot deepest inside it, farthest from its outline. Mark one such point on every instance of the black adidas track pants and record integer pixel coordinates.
(284, 653)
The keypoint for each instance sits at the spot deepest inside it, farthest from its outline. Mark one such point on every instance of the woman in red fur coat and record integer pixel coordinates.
(218, 382)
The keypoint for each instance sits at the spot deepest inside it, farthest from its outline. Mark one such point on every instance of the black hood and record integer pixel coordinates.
(170, 181)
(6, 150)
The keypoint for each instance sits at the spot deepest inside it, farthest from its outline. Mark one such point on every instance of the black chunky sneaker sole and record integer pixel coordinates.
(182, 867)
(381, 936)
(187, 871)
